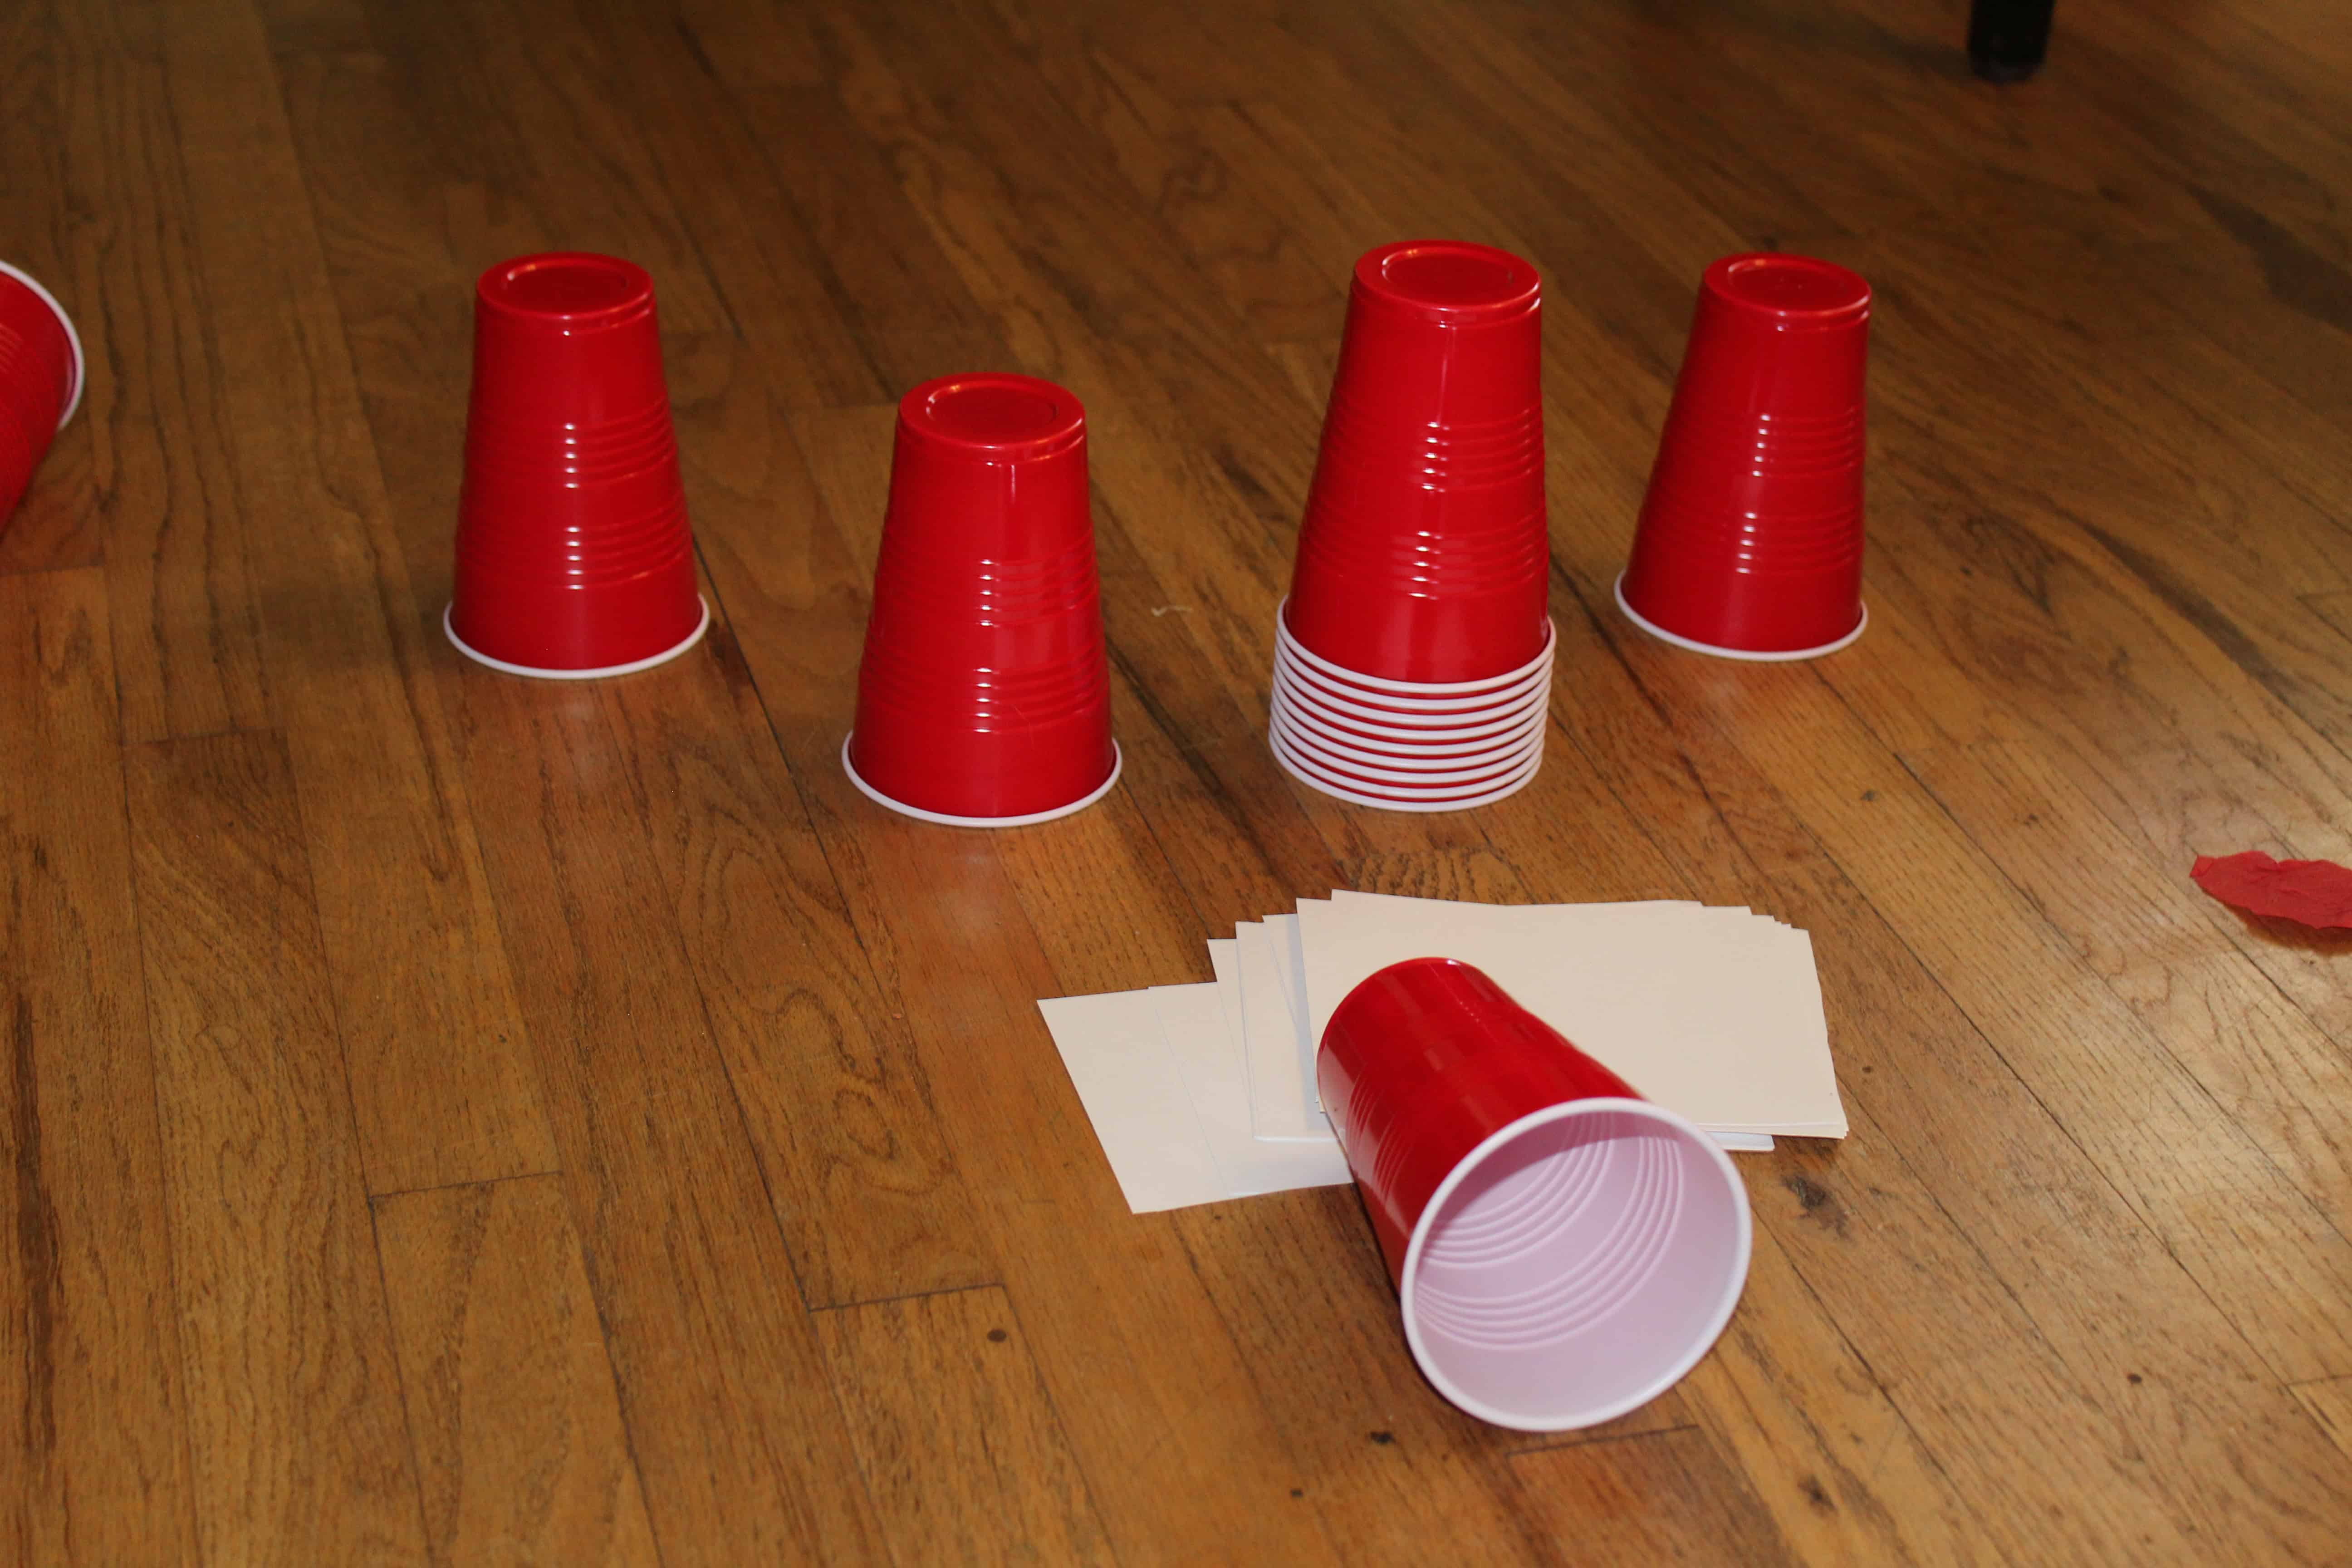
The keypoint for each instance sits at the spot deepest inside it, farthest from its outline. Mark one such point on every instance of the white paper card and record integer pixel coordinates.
(1209, 1057)
(1118, 1059)
(1279, 1108)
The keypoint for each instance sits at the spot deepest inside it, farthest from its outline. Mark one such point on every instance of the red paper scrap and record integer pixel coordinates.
(2315, 892)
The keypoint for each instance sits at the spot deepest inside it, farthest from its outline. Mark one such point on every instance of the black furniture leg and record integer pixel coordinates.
(2007, 38)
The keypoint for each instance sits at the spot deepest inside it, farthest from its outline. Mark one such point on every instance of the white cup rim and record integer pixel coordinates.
(1408, 736)
(1389, 802)
(1286, 654)
(1404, 791)
(1719, 1315)
(73, 337)
(1323, 740)
(1509, 705)
(1408, 687)
(1435, 779)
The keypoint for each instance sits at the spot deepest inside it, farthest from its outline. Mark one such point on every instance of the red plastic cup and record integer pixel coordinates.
(983, 698)
(1422, 553)
(1563, 1250)
(40, 380)
(1750, 539)
(573, 558)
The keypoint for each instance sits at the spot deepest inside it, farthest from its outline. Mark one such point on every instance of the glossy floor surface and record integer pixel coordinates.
(451, 1118)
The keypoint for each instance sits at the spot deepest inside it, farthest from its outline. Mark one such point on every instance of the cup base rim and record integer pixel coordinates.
(73, 337)
(1029, 819)
(601, 672)
(1745, 655)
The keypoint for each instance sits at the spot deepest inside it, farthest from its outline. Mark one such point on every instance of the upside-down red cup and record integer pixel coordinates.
(1422, 553)
(983, 697)
(1750, 539)
(1563, 1250)
(40, 380)
(573, 557)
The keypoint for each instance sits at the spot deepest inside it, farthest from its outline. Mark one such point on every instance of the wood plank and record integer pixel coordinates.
(867, 1191)
(520, 1448)
(299, 1449)
(2330, 1404)
(956, 1433)
(1145, 928)
(723, 1389)
(188, 652)
(56, 524)
(94, 1466)
(952, 951)
(440, 1069)
(1659, 1497)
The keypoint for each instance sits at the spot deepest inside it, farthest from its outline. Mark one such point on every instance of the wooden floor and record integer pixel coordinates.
(462, 1120)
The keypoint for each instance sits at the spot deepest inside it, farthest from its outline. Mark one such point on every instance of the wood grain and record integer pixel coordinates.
(440, 1068)
(188, 647)
(520, 1453)
(1658, 1496)
(94, 1459)
(56, 525)
(709, 1120)
(296, 1438)
(956, 1433)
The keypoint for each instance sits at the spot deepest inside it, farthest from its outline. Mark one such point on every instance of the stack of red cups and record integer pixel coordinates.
(1412, 659)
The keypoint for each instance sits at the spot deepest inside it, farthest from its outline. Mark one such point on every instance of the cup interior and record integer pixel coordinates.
(1575, 1264)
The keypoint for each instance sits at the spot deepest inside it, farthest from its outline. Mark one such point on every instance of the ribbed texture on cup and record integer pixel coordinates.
(1562, 1251)
(1751, 533)
(992, 592)
(1422, 553)
(984, 688)
(1582, 1282)
(573, 550)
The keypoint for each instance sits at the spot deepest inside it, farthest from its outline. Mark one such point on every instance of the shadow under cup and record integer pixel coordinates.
(1563, 1250)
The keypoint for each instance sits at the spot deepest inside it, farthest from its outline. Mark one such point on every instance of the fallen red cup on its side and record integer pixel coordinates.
(1750, 539)
(573, 557)
(983, 695)
(41, 373)
(1563, 1250)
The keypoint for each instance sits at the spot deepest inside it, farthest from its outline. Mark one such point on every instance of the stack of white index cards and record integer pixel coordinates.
(1200, 1093)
